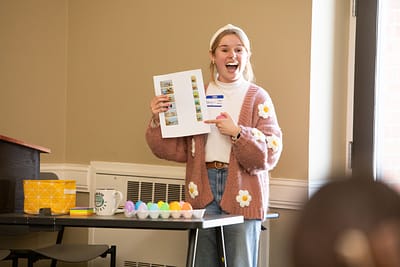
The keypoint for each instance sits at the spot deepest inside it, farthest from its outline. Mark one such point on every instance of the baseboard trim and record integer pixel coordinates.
(284, 193)
(288, 193)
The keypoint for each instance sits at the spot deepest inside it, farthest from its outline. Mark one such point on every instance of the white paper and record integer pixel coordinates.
(188, 107)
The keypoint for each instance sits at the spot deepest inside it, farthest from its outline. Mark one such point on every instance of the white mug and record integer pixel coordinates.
(107, 201)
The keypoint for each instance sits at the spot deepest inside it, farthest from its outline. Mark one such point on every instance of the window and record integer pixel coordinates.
(387, 133)
(376, 125)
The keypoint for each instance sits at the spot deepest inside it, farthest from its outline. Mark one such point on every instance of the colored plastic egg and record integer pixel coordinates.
(129, 209)
(154, 211)
(142, 207)
(137, 204)
(164, 210)
(129, 206)
(142, 210)
(160, 203)
(186, 206)
(152, 207)
(164, 206)
(174, 205)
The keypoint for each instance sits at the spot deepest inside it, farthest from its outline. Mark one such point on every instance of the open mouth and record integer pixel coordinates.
(232, 66)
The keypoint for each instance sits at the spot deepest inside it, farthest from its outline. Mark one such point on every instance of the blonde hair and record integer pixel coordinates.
(248, 73)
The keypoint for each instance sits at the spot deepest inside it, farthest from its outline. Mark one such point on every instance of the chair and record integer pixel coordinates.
(4, 253)
(75, 252)
(72, 253)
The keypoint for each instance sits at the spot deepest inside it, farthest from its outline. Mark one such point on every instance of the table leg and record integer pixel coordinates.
(221, 246)
(191, 253)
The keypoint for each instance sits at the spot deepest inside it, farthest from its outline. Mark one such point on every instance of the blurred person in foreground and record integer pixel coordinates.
(353, 222)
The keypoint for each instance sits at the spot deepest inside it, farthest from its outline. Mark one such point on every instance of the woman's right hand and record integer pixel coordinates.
(158, 104)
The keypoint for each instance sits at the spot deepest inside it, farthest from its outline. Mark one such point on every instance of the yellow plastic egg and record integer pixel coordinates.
(174, 205)
(160, 203)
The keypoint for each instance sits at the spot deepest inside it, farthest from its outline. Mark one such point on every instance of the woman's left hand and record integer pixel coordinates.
(225, 124)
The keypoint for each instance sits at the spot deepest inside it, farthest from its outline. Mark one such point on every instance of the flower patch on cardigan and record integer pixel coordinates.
(193, 192)
(258, 135)
(274, 142)
(265, 109)
(243, 198)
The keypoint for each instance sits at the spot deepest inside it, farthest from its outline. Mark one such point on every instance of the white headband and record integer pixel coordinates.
(245, 40)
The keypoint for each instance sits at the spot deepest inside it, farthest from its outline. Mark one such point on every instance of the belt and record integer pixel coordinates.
(216, 165)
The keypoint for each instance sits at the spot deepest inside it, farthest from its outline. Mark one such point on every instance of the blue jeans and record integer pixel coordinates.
(241, 240)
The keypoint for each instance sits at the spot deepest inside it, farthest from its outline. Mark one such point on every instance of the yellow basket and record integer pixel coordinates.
(58, 195)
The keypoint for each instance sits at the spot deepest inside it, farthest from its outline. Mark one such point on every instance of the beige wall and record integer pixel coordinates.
(115, 49)
(33, 73)
(77, 75)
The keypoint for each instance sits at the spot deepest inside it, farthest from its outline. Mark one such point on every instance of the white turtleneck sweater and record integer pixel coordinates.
(218, 146)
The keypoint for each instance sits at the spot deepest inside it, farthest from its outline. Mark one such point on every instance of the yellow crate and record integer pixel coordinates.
(58, 195)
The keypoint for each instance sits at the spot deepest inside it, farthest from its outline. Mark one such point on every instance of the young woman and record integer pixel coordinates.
(227, 170)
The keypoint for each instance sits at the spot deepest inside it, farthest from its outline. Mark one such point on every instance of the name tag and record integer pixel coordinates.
(214, 101)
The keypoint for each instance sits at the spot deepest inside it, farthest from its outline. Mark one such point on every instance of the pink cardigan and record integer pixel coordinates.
(251, 158)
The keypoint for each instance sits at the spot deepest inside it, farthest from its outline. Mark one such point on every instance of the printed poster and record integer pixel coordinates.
(188, 107)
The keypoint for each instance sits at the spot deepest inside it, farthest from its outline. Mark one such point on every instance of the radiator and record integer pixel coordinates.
(146, 248)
